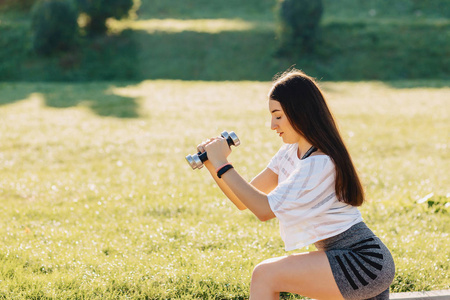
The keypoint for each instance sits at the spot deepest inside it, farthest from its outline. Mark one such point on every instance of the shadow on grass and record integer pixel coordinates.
(411, 84)
(110, 57)
(98, 97)
(189, 55)
(346, 51)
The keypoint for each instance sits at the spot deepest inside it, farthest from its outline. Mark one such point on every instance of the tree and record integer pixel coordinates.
(298, 24)
(100, 10)
(54, 26)
(17, 4)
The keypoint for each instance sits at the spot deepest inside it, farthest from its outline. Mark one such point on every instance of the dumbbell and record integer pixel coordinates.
(196, 161)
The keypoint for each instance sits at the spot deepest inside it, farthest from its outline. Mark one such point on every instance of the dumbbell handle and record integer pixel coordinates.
(204, 156)
(196, 161)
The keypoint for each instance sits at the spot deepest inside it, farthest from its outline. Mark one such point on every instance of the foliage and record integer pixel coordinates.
(54, 26)
(359, 40)
(14, 43)
(17, 4)
(298, 24)
(99, 203)
(100, 10)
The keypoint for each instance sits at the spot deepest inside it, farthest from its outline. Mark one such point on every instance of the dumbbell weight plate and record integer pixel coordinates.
(194, 161)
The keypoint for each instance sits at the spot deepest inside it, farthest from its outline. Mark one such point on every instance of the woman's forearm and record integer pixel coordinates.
(242, 193)
(224, 187)
(247, 194)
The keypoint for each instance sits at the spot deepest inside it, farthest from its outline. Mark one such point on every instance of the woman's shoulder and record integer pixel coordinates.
(319, 161)
(319, 156)
(285, 150)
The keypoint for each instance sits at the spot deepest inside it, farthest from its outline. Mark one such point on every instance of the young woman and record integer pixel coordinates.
(313, 189)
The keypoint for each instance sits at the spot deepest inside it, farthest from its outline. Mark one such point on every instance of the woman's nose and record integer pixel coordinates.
(273, 125)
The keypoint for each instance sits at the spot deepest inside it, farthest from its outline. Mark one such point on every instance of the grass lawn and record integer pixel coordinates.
(99, 203)
(236, 40)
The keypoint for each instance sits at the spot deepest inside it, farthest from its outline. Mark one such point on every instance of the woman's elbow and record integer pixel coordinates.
(265, 217)
(241, 207)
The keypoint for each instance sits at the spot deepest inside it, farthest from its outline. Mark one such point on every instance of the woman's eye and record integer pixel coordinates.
(278, 118)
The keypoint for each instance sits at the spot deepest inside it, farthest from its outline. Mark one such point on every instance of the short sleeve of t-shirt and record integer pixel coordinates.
(274, 163)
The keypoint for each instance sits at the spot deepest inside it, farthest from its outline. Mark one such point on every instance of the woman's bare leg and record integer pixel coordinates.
(306, 274)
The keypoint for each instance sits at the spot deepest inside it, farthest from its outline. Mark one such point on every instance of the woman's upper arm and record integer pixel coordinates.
(265, 181)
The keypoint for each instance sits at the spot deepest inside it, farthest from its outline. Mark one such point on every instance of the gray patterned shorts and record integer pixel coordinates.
(362, 265)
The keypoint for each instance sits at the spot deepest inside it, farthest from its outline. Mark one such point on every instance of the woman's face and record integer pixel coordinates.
(281, 124)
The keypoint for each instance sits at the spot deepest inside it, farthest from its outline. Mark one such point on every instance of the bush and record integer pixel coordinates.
(100, 10)
(54, 26)
(18, 4)
(14, 45)
(298, 23)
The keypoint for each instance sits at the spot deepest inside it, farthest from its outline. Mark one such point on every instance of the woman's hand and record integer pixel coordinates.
(217, 149)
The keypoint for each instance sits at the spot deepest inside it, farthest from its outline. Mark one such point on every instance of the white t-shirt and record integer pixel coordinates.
(305, 201)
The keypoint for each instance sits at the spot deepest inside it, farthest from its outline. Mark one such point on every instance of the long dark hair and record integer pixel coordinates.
(307, 111)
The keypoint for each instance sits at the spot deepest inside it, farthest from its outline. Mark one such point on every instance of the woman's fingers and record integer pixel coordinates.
(201, 147)
(218, 150)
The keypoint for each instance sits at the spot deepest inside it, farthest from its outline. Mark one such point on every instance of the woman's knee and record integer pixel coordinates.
(260, 273)
(265, 272)
(261, 281)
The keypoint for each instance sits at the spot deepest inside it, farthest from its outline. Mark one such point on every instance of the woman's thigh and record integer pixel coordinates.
(306, 274)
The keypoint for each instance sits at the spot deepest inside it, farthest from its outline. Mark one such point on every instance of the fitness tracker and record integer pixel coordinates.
(223, 170)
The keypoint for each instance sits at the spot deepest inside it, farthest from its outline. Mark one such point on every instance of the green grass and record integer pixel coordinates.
(99, 203)
(235, 40)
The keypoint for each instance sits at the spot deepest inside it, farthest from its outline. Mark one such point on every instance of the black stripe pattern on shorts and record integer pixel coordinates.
(364, 256)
